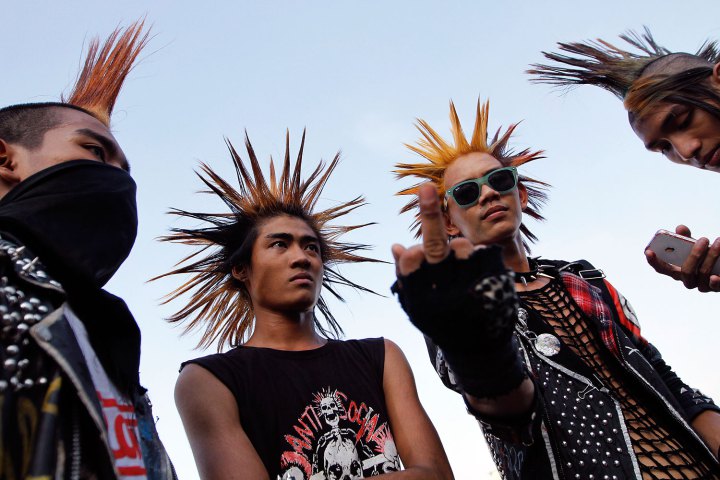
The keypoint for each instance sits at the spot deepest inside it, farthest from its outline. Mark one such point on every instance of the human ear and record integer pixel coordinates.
(522, 191)
(8, 168)
(239, 273)
(450, 227)
(715, 76)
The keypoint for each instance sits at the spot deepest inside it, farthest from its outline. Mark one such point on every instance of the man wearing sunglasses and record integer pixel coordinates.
(673, 105)
(550, 358)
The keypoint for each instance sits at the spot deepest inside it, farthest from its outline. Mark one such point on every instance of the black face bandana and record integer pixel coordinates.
(80, 217)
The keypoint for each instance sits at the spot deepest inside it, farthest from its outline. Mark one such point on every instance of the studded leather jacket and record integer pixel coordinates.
(52, 424)
(576, 428)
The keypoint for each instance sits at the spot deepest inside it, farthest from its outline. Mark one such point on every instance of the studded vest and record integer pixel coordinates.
(578, 429)
(51, 419)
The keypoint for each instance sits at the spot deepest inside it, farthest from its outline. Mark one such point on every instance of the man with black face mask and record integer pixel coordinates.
(70, 397)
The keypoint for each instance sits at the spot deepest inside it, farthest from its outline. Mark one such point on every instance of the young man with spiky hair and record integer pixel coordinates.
(673, 104)
(547, 354)
(70, 397)
(288, 401)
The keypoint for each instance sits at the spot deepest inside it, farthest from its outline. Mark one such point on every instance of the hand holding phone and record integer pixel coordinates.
(694, 262)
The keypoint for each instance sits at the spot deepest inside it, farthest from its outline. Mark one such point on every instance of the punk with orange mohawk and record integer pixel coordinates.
(538, 353)
(288, 400)
(69, 350)
(442, 154)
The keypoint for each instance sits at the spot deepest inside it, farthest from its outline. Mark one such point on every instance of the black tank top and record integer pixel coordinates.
(314, 414)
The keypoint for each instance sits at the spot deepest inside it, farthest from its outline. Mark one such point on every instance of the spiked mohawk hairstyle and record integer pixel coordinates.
(441, 155)
(105, 69)
(94, 93)
(604, 65)
(102, 76)
(219, 303)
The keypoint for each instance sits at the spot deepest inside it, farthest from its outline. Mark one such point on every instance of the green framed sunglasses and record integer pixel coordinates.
(467, 193)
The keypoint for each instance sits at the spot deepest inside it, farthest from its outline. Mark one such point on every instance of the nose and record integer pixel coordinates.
(487, 194)
(300, 258)
(688, 147)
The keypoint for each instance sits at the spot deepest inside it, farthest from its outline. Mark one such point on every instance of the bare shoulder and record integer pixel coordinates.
(393, 351)
(194, 386)
(394, 357)
(398, 375)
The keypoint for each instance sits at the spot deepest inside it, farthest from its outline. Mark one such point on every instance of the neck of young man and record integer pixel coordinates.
(516, 259)
(280, 330)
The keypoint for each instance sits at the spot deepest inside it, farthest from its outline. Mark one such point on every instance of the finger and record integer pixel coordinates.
(462, 247)
(683, 230)
(397, 252)
(661, 267)
(706, 267)
(689, 268)
(432, 224)
(715, 283)
(411, 260)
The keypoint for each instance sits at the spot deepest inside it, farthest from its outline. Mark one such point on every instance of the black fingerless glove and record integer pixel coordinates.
(468, 308)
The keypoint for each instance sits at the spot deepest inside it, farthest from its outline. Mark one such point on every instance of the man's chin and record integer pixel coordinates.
(299, 306)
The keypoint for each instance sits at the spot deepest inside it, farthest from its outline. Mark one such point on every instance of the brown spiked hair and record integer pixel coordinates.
(219, 303)
(441, 155)
(604, 65)
(105, 70)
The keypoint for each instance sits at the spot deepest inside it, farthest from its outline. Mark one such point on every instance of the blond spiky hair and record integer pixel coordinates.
(604, 65)
(219, 303)
(105, 69)
(441, 155)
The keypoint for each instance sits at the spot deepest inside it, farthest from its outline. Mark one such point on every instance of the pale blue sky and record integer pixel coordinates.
(357, 74)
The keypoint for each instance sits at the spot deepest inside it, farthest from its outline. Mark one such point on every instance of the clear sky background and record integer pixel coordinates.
(357, 74)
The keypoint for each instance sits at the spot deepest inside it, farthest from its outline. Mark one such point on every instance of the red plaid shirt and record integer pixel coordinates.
(589, 299)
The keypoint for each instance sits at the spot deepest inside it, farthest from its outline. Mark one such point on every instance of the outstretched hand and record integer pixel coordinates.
(463, 299)
(695, 272)
(435, 247)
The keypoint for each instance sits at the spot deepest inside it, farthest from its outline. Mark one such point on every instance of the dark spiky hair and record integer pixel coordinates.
(604, 65)
(219, 303)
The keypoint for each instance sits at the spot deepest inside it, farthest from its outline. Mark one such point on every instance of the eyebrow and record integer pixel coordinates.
(666, 123)
(107, 144)
(481, 176)
(290, 237)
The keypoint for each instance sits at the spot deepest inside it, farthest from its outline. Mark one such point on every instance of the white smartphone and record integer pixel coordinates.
(674, 249)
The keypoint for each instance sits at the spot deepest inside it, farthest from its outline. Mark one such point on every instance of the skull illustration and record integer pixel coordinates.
(340, 460)
(294, 473)
(330, 411)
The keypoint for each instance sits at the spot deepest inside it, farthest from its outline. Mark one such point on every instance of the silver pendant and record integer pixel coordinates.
(547, 344)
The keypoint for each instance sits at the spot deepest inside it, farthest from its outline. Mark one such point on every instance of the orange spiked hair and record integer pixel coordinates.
(105, 69)
(442, 154)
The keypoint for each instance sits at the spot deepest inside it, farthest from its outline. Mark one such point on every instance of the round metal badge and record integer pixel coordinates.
(547, 344)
